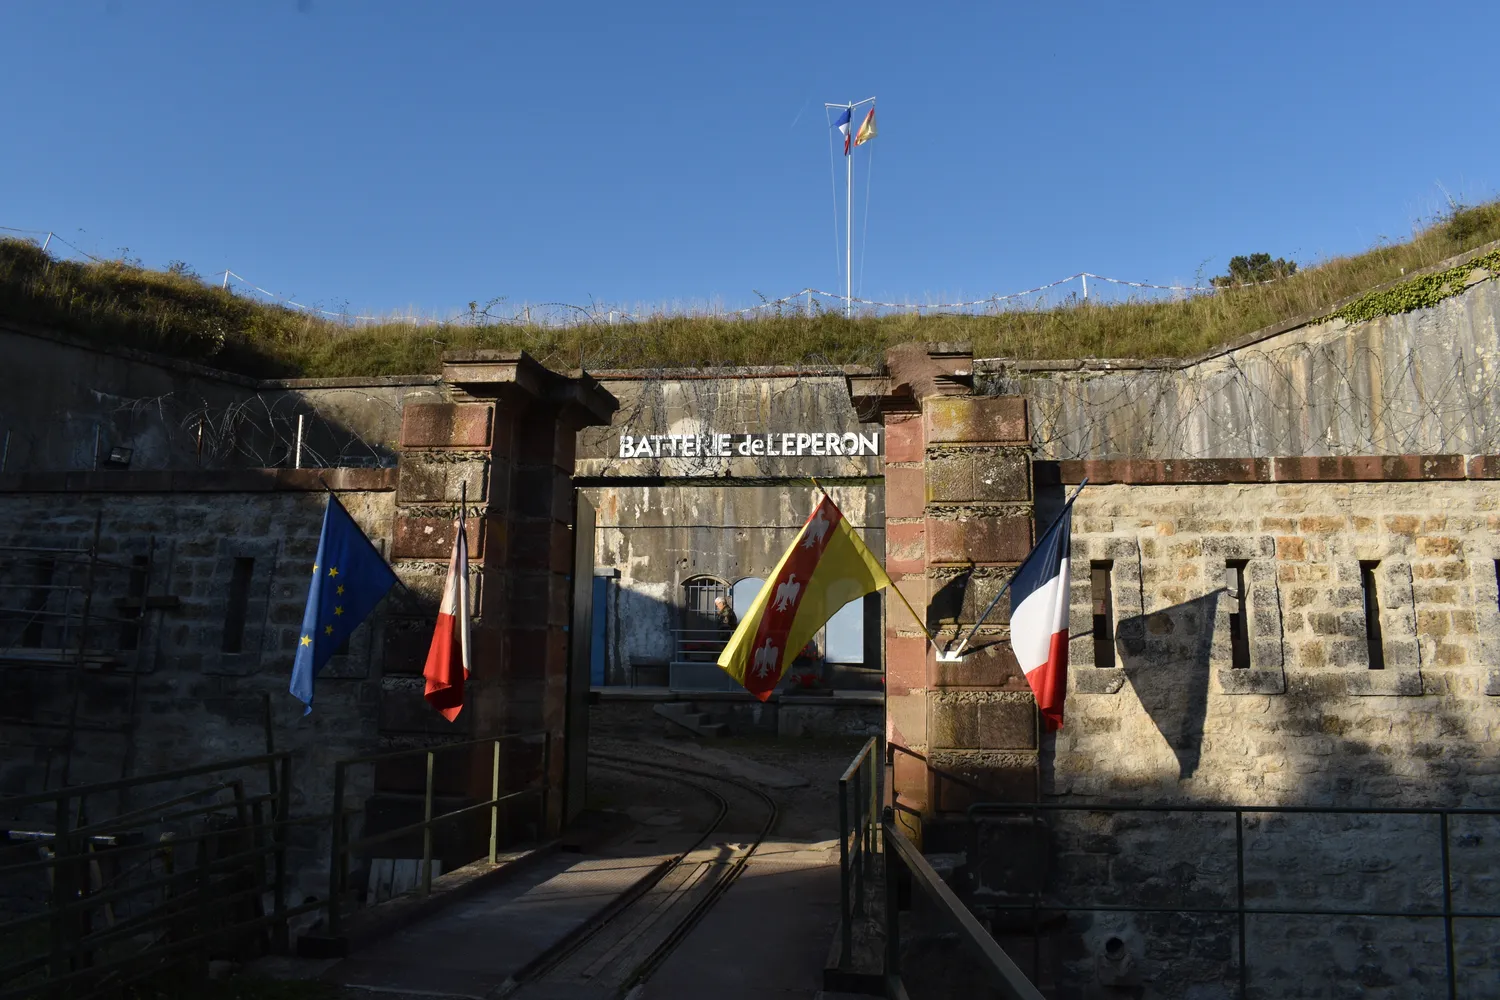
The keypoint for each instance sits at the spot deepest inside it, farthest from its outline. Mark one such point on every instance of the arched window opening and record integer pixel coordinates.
(701, 637)
(845, 634)
(743, 594)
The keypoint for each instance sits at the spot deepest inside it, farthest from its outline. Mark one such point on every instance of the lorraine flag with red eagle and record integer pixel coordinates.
(826, 567)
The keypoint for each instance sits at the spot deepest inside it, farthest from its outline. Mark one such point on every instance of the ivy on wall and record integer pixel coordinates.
(1421, 292)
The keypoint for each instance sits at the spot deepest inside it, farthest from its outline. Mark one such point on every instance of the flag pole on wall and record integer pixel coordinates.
(845, 124)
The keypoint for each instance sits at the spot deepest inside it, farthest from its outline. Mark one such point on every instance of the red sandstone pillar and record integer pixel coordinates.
(958, 522)
(509, 434)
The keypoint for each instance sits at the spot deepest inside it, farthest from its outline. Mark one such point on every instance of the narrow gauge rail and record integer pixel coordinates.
(621, 948)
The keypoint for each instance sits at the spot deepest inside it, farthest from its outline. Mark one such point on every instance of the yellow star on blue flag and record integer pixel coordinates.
(349, 578)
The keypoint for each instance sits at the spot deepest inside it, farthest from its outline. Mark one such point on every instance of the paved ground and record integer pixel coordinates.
(807, 813)
(766, 938)
(468, 948)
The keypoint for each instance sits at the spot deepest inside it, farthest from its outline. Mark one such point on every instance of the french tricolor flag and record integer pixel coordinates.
(448, 663)
(1039, 619)
(845, 125)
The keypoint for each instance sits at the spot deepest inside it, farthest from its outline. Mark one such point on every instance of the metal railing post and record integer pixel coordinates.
(336, 860)
(61, 879)
(1447, 908)
(1239, 878)
(892, 911)
(281, 934)
(859, 826)
(206, 911)
(846, 928)
(872, 801)
(495, 804)
(427, 828)
(541, 830)
(1036, 893)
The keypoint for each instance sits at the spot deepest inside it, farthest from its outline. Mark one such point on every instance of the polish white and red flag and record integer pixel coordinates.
(448, 664)
(1039, 619)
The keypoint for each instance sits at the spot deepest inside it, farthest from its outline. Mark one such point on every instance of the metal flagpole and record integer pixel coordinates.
(849, 221)
(849, 206)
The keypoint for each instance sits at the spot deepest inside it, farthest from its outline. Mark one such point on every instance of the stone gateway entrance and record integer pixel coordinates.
(701, 480)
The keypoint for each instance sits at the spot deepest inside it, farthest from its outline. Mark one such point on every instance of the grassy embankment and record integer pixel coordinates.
(179, 315)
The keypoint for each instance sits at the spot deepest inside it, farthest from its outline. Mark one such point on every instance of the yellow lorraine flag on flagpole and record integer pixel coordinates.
(867, 130)
(826, 567)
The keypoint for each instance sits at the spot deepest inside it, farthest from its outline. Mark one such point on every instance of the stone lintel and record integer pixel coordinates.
(482, 374)
(1354, 682)
(1098, 680)
(1250, 681)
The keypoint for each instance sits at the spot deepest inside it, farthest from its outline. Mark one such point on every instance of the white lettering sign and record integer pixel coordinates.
(780, 445)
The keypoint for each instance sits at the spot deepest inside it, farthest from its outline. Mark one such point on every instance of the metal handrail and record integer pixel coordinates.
(156, 778)
(81, 957)
(703, 637)
(1447, 913)
(856, 844)
(890, 760)
(343, 848)
(375, 758)
(901, 854)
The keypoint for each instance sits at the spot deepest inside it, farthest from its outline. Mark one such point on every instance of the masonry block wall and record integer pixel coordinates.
(1314, 710)
(1320, 712)
(191, 678)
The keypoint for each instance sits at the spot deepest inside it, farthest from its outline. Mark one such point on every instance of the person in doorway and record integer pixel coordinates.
(725, 616)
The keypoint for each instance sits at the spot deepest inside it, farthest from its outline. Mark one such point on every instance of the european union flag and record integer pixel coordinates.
(348, 579)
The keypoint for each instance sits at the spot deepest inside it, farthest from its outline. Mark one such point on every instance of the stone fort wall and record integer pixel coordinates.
(1308, 721)
(177, 689)
(1222, 655)
(202, 675)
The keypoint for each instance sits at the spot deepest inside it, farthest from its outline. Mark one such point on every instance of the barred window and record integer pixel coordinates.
(698, 608)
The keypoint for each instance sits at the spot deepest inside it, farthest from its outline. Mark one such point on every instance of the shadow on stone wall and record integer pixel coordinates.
(1165, 655)
(947, 602)
(1314, 745)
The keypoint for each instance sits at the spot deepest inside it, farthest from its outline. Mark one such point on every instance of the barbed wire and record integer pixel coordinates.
(270, 429)
(1366, 391)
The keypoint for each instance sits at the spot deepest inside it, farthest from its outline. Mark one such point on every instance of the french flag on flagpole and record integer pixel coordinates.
(845, 125)
(448, 664)
(1039, 618)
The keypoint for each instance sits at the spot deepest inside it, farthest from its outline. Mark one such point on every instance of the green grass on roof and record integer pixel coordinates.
(118, 303)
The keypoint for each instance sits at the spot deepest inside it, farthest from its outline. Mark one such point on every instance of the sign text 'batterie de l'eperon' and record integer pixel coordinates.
(778, 445)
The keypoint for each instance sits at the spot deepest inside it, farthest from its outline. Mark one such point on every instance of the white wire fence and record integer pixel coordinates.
(1072, 289)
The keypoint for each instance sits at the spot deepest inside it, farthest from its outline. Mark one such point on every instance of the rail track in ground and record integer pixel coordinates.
(629, 940)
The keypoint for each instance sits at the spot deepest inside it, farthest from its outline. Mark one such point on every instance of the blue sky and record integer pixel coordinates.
(385, 155)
